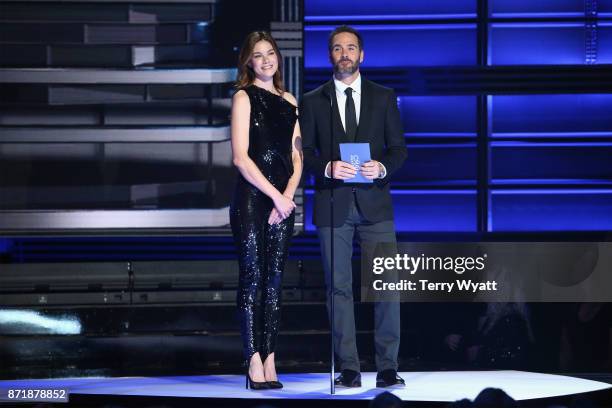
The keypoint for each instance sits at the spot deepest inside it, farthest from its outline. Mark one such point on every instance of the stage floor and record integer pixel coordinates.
(420, 386)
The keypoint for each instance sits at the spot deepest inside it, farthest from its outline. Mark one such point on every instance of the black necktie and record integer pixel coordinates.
(350, 116)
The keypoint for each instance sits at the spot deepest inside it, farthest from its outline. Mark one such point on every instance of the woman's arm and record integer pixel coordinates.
(296, 156)
(298, 164)
(241, 110)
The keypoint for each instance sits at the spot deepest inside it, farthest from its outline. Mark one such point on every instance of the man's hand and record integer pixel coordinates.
(371, 169)
(342, 170)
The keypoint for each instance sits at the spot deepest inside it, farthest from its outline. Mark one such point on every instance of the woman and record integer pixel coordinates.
(266, 150)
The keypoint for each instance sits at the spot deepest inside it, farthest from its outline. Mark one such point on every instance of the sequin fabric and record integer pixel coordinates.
(262, 248)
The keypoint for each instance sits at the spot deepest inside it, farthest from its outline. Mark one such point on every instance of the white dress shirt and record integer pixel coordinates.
(341, 99)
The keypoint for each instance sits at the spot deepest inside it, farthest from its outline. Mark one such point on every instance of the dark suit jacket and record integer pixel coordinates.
(379, 125)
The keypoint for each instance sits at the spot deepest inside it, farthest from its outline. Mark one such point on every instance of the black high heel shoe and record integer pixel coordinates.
(254, 385)
(275, 384)
(272, 384)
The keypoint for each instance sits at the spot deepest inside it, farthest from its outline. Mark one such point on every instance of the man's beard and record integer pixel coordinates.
(348, 69)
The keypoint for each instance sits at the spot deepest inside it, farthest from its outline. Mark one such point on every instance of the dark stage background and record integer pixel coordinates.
(114, 181)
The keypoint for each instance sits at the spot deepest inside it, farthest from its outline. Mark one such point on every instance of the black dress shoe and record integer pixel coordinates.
(387, 378)
(349, 378)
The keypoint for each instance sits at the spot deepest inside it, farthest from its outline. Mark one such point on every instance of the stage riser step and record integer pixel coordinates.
(148, 29)
(105, 12)
(205, 320)
(33, 250)
(140, 298)
(126, 338)
(136, 98)
(110, 56)
(144, 281)
(137, 355)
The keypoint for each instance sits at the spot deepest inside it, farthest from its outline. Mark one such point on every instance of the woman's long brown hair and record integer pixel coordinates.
(246, 75)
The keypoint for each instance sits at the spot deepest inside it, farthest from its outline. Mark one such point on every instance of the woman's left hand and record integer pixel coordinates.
(274, 217)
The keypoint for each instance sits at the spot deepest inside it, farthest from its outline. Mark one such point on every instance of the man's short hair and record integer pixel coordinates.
(344, 29)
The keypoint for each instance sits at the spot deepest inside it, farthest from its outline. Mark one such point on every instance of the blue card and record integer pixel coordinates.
(356, 154)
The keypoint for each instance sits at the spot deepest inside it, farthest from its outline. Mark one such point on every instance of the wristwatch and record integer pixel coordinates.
(381, 170)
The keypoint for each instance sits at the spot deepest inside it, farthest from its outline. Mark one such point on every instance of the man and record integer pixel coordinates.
(354, 109)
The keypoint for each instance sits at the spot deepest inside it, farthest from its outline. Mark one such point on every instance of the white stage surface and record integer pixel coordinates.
(420, 386)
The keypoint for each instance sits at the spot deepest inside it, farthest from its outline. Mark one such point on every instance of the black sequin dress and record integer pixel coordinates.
(262, 248)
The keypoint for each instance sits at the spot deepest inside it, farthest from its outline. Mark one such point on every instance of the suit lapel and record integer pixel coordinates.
(365, 113)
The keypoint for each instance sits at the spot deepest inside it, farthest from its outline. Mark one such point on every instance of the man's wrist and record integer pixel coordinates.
(382, 171)
(327, 171)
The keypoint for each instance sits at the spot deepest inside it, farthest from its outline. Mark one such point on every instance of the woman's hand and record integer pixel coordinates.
(283, 205)
(274, 217)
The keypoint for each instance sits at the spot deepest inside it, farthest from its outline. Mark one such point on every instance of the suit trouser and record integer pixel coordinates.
(386, 314)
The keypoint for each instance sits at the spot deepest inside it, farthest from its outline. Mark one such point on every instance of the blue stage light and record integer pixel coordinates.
(550, 210)
(573, 114)
(545, 8)
(396, 45)
(448, 115)
(388, 17)
(5, 245)
(425, 210)
(314, 9)
(549, 43)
